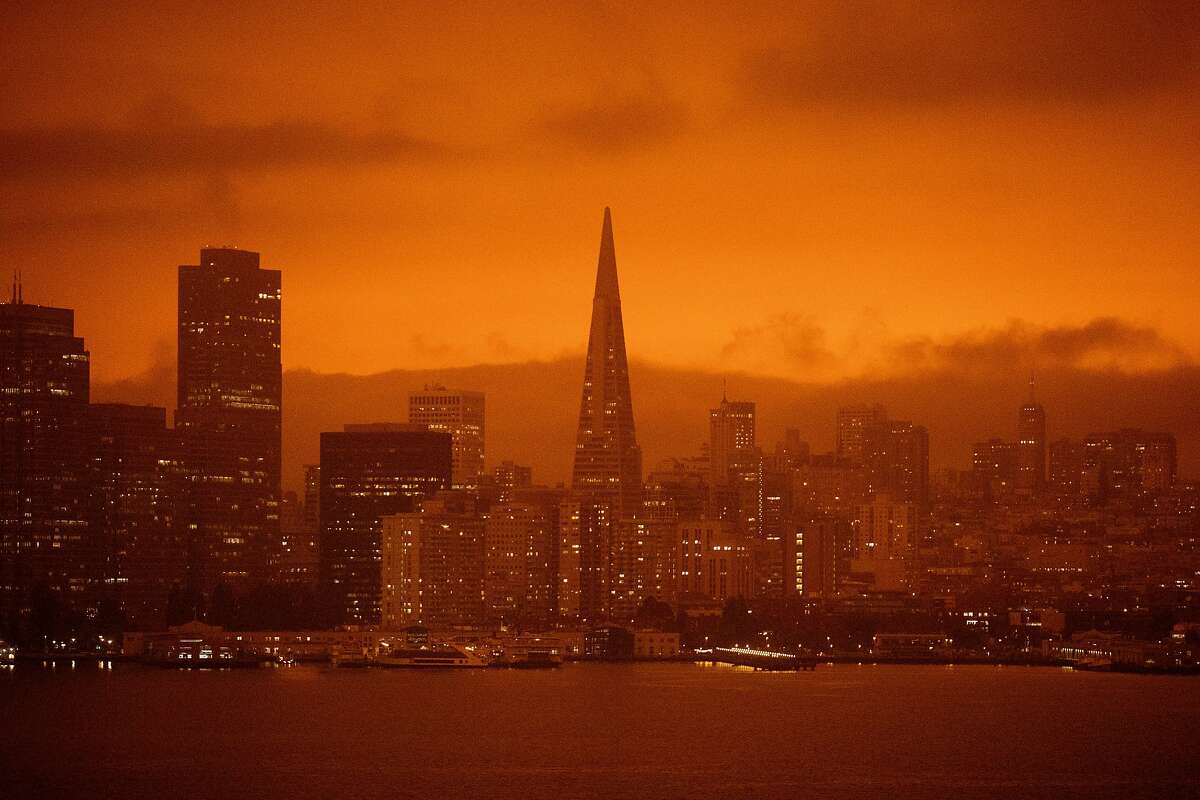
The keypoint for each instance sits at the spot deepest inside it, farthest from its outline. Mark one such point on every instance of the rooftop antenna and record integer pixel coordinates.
(14, 287)
(20, 289)
(724, 390)
(1032, 397)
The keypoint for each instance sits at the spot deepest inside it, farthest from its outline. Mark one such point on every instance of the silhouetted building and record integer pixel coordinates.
(138, 498)
(793, 451)
(312, 496)
(1031, 446)
(510, 477)
(679, 487)
(812, 557)
(1127, 463)
(852, 424)
(369, 472)
(461, 415)
(736, 465)
(296, 555)
(896, 456)
(230, 399)
(45, 543)
(994, 467)
(1066, 466)
(828, 485)
(608, 462)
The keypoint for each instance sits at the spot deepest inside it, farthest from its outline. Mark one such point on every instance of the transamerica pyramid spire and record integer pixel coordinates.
(608, 462)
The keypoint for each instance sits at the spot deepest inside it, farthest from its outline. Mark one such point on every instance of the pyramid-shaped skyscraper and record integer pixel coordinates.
(608, 462)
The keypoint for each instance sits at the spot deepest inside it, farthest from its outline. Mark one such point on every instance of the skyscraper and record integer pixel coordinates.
(896, 456)
(369, 472)
(732, 443)
(433, 564)
(461, 415)
(137, 494)
(520, 553)
(45, 544)
(737, 466)
(852, 425)
(230, 398)
(1031, 446)
(608, 462)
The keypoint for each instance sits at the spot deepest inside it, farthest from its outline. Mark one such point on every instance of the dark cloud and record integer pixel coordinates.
(916, 53)
(1105, 343)
(617, 125)
(188, 147)
(791, 340)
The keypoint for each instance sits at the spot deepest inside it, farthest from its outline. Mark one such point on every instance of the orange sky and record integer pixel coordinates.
(810, 194)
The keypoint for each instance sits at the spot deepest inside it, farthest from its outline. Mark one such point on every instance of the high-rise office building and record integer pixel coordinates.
(432, 564)
(1031, 446)
(230, 397)
(608, 462)
(643, 563)
(886, 541)
(994, 467)
(712, 561)
(510, 476)
(138, 509)
(811, 557)
(886, 529)
(1128, 462)
(520, 560)
(369, 472)
(1066, 466)
(585, 531)
(295, 559)
(732, 448)
(852, 424)
(312, 496)
(45, 543)
(896, 457)
(461, 415)
(737, 466)
(894, 453)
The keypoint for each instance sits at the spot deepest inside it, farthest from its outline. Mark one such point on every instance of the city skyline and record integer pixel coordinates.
(991, 396)
(192, 519)
(858, 456)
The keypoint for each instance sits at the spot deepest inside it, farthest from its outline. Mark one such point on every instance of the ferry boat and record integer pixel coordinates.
(204, 658)
(430, 657)
(532, 652)
(8, 653)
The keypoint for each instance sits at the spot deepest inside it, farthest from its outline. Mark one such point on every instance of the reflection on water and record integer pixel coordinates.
(589, 730)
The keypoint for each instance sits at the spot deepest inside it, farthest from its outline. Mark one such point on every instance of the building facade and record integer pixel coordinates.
(433, 565)
(47, 548)
(369, 472)
(230, 390)
(608, 461)
(461, 414)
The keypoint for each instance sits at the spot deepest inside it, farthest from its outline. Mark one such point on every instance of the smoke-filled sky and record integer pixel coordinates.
(822, 192)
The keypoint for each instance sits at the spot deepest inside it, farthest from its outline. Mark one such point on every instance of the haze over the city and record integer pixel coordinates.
(978, 192)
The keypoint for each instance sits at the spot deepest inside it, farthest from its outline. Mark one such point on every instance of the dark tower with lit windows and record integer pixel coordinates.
(608, 462)
(1031, 446)
(48, 553)
(230, 396)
